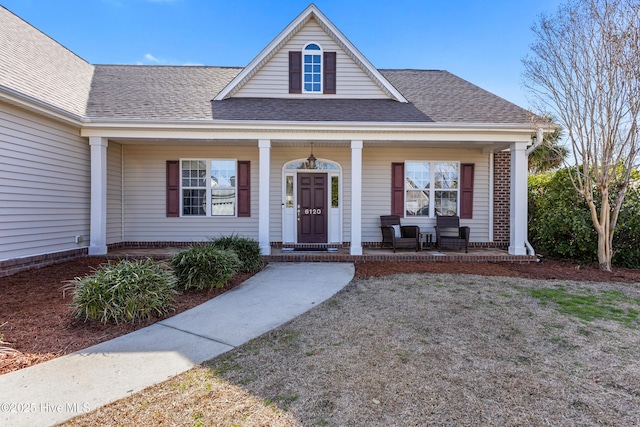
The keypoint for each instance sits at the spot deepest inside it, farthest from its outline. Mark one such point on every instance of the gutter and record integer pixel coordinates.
(539, 138)
(32, 104)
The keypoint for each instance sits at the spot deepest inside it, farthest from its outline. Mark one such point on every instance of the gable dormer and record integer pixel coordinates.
(310, 59)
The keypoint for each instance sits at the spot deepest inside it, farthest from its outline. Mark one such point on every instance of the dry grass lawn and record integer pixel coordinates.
(421, 349)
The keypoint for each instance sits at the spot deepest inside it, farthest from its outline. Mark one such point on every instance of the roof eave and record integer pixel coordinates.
(32, 104)
(92, 126)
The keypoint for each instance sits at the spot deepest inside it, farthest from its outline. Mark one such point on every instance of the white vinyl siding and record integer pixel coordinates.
(114, 192)
(145, 217)
(272, 80)
(45, 191)
(376, 188)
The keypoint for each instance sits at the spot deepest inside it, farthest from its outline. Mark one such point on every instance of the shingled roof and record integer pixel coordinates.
(186, 93)
(35, 65)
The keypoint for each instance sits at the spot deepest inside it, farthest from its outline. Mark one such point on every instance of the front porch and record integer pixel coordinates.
(370, 254)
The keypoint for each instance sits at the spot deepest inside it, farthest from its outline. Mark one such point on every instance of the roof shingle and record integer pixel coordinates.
(185, 93)
(35, 65)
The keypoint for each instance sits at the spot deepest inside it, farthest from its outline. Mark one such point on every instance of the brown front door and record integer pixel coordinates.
(312, 208)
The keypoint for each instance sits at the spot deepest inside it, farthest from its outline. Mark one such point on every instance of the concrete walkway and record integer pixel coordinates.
(55, 391)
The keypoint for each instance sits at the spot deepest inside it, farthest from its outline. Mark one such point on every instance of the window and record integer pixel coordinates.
(431, 188)
(335, 192)
(312, 72)
(208, 187)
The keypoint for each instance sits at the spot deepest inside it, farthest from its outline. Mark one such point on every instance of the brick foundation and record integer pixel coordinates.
(15, 265)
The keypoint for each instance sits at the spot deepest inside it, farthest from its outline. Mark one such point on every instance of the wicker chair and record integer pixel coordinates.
(449, 234)
(399, 236)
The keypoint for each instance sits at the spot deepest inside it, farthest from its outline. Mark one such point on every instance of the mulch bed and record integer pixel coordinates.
(35, 317)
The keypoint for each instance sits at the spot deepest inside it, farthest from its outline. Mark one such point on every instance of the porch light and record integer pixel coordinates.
(311, 160)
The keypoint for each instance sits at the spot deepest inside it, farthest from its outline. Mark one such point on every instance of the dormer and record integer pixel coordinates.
(310, 58)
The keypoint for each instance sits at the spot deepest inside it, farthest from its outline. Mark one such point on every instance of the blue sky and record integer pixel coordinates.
(480, 41)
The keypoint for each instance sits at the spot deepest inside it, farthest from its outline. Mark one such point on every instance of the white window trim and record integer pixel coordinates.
(314, 52)
(208, 214)
(432, 189)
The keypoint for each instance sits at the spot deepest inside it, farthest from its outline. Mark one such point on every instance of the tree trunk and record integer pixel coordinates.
(604, 251)
(604, 233)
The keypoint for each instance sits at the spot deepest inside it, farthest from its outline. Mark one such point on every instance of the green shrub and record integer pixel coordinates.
(127, 291)
(560, 223)
(204, 267)
(248, 251)
(559, 220)
(626, 241)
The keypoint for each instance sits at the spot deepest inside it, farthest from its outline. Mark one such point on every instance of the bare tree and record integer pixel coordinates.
(585, 68)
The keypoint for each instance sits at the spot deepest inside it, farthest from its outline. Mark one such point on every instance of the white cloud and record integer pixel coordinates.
(151, 58)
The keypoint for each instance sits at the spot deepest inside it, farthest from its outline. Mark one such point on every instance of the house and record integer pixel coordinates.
(307, 144)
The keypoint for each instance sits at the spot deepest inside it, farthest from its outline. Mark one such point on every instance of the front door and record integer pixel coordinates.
(312, 208)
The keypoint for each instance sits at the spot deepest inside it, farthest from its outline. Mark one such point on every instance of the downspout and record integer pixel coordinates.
(539, 138)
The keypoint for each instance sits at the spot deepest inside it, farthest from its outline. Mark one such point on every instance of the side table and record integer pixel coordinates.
(426, 239)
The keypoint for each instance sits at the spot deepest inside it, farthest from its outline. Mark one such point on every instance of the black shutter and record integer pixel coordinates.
(173, 188)
(295, 72)
(244, 188)
(329, 70)
(466, 190)
(397, 189)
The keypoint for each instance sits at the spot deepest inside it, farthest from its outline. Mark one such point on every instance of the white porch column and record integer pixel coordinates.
(98, 227)
(263, 196)
(356, 198)
(518, 203)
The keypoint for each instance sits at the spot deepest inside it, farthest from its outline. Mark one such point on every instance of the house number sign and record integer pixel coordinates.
(313, 211)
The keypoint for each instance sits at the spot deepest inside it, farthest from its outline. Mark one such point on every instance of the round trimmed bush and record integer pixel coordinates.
(248, 251)
(127, 291)
(204, 267)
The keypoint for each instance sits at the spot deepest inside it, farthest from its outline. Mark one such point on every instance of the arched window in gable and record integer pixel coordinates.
(312, 68)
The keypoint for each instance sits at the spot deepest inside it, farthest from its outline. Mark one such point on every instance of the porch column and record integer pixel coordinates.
(356, 198)
(263, 196)
(518, 199)
(98, 226)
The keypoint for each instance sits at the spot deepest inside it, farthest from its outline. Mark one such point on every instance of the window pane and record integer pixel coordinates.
(417, 203)
(193, 202)
(289, 192)
(312, 75)
(334, 192)
(223, 173)
(312, 46)
(223, 202)
(446, 175)
(418, 175)
(194, 173)
(446, 202)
